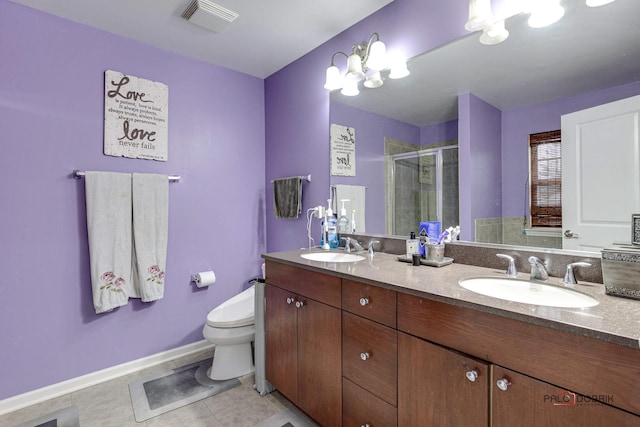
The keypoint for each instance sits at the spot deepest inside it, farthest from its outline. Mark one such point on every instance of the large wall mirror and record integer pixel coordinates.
(408, 131)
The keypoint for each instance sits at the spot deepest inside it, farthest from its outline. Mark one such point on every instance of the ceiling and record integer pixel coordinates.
(588, 50)
(266, 36)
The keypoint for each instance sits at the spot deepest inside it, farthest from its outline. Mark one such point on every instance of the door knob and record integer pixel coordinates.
(364, 356)
(299, 304)
(569, 234)
(290, 300)
(503, 384)
(472, 375)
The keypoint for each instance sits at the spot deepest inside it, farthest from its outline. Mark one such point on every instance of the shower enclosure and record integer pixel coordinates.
(423, 187)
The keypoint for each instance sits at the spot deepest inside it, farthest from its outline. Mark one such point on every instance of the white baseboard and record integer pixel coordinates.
(74, 384)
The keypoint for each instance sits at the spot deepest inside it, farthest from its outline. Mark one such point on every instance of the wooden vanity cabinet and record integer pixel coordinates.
(369, 355)
(352, 354)
(536, 357)
(440, 387)
(303, 330)
(526, 401)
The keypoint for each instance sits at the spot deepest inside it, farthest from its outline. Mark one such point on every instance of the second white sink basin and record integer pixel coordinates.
(332, 257)
(528, 292)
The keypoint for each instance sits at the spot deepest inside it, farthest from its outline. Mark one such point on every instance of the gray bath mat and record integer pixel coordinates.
(178, 387)
(66, 417)
(289, 417)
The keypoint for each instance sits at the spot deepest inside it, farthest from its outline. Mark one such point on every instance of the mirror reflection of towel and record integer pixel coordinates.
(356, 196)
(287, 197)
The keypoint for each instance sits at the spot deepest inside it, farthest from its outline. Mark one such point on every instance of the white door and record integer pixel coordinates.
(600, 174)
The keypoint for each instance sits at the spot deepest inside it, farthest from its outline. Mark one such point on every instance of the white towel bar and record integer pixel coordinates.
(79, 174)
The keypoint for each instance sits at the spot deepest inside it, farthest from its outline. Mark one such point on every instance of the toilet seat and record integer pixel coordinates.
(235, 312)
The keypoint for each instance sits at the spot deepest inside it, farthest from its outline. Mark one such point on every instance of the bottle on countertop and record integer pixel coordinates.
(343, 221)
(413, 245)
(329, 230)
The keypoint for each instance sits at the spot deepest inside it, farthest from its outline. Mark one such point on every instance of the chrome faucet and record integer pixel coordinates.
(569, 277)
(370, 246)
(511, 269)
(348, 242)
(538, 269)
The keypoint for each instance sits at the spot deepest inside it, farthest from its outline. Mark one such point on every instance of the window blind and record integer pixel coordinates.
(546, 179)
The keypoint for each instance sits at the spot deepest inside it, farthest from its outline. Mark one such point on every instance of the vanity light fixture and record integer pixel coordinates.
(365, 62)
(542, 13)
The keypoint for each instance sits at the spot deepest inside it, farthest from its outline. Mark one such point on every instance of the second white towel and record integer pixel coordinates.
(150, 231)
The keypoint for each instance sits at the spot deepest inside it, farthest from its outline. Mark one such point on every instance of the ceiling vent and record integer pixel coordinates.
(209, 15)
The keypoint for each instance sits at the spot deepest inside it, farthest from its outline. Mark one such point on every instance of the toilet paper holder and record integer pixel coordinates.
(204, 278)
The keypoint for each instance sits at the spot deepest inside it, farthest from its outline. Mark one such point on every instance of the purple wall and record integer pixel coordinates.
(518, 124)
(480, 162)
(297, 106)
(371, 129)
(440, 132)
(51, 117)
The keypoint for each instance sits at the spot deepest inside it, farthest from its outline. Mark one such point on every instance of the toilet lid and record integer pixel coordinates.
(234, 313)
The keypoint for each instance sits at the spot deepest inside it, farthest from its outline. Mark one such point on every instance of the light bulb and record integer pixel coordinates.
(334, 79)
(494, 33)
(350, 88)
(377, 56)
(545, 12)
(354, 67)
(479, 14)
(398, 66)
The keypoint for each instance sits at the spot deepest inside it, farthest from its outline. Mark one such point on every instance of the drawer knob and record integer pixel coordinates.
(365, 425)
(364, 356)
(364, 301)
(503, 384)
(299, 304)
(472, 375)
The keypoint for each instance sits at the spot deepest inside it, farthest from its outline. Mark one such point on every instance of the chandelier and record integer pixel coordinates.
(541, 14)
(366, 62)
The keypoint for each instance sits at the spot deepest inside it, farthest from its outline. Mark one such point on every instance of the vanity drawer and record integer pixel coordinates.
(370, 356)
(362, 408)
(368, 301)
(311, 284)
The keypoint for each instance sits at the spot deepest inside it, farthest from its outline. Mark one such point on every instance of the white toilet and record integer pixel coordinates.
(230, 326)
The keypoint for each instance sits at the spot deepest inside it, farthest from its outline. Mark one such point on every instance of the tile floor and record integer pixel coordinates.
(108, 404)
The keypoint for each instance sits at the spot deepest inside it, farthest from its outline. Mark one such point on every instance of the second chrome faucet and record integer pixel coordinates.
(538, 269)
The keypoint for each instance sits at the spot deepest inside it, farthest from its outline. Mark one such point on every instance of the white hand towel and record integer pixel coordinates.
(150, 231)
(109, 230)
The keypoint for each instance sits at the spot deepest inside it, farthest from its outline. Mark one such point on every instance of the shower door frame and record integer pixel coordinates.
(439, 179)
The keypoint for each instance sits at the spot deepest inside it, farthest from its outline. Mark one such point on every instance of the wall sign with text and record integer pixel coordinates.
(136, 113)
(343, 150)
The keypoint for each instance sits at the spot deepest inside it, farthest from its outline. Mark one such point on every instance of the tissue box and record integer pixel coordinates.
(621, 271)
(429, 231)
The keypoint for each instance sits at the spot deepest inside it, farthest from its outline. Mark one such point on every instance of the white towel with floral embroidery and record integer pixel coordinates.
(150, 231)
(108, 197)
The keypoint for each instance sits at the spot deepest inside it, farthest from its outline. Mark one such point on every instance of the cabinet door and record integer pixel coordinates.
(361, 408)
(370, 356)
(525, 401)
(319, 362)
(281, 341)
(440, 387)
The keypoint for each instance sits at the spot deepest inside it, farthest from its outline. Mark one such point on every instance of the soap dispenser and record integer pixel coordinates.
(329, 238)
(343, 222)
(413, 245)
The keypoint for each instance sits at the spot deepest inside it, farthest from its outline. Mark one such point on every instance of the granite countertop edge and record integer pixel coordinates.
(614, 319)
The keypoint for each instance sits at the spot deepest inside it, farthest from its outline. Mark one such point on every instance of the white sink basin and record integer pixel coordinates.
(528, 292)
(332, 257)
